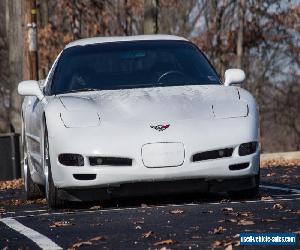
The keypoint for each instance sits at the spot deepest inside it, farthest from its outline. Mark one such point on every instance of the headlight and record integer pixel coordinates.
(230, 109)
(79, 119)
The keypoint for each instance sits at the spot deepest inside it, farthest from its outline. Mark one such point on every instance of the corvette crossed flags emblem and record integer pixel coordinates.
(160, 127)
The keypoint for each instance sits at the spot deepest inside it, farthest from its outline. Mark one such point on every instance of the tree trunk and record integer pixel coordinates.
(15, 57)
(240, 35)
(150, 16)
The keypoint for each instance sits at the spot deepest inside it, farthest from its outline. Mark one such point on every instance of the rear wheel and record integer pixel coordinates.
(54, 202)
(247, 193)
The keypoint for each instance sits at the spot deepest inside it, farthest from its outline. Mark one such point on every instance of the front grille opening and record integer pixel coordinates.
(239, 166)
(84, 177)
(71, 159)
(248, 148)
(110, 161)
(214, 154)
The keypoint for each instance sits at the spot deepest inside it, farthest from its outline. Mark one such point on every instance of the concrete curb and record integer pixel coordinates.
(281, 156)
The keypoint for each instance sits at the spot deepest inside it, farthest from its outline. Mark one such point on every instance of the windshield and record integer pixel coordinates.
(136, 64)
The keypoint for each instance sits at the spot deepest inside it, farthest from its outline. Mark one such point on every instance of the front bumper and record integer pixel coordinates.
(103, 141)
(157, 188)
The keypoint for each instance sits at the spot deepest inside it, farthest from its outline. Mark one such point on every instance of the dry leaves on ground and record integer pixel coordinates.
(225, 244)
(246, 222)
(176, 211)
(18, 202)
(86, 243)
(244, 214)
(138, 222)
(266, 198)
(224, 201)
(163, 242)
(62, 223)
(268, 220)
(13, 184)
(147, 234)
(277, 206)
(219, 230)
(280, 163)
(95, 207)
(227, 209)
(228, 220)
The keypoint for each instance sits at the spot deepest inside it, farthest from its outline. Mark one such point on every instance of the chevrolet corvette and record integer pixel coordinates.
(136, 115)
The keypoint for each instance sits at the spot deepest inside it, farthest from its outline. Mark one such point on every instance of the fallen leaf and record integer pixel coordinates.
(224, 201)
(245, 214)
(271, 174)
(246, 222)
(138, 222)
(82, 243)
(62, 224)
(268, 220)
(216, 243)
(86, 243)
(277, 206)
(219, 230)
(147, 234)
(227, 209)
(229, 247)
(232, 220)
(177, 211)
(97, 238)
(95, 207)
(164, 242)
(226, 244)
(266, 198)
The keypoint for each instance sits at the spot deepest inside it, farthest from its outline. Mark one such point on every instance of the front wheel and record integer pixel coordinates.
(32, 189)
(247, 193)
(54, 202)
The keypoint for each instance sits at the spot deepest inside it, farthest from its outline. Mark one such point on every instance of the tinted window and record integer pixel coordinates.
(133, 64)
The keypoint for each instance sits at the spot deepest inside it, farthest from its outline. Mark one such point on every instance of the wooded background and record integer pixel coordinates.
(260, 36)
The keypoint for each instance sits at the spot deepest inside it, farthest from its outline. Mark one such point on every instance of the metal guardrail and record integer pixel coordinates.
(10, 164)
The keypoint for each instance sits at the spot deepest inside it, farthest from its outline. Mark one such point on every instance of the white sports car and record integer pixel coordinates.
(137, 115)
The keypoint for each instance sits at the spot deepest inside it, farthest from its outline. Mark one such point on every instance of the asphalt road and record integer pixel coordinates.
(188, 222)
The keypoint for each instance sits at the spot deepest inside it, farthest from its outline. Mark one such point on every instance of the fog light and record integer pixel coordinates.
(248, 148)
(71, 159)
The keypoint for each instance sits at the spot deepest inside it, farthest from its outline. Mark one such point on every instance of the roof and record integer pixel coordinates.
(110, 39)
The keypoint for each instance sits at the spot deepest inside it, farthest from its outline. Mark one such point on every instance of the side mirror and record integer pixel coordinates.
(30, 88)
(234, 76)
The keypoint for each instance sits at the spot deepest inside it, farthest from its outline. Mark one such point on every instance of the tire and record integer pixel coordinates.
(54, 202)
(32, 190)
(247, 193)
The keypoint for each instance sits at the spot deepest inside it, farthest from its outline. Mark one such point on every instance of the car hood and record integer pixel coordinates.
(160, 104)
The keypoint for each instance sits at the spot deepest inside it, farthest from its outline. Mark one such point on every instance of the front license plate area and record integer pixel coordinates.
(163, 154)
